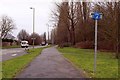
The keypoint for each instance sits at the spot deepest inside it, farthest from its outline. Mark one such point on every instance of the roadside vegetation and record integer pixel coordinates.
(75, 27)
(13, 46)
(24, 35)
(107, 65)
(0, 70)
(13, 66)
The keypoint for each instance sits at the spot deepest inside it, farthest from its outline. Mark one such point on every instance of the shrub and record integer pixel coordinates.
(7, 40)
(102, 45)
(85, 45)
(65, 45)
(106, 45)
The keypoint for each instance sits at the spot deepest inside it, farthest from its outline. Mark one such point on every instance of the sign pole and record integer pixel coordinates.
(96, 16)
(95, 54)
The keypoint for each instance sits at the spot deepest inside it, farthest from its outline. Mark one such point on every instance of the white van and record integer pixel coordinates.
(24, 44)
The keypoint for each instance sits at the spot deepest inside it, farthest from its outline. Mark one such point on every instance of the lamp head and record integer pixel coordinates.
(31, 8)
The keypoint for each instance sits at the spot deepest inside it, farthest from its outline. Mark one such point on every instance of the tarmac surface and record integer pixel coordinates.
(50, 64)
(7, 54)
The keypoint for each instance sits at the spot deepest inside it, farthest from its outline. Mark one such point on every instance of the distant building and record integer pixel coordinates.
(9, 36)
(9, 40)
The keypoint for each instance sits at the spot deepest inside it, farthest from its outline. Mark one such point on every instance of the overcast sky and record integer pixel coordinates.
(20, 12)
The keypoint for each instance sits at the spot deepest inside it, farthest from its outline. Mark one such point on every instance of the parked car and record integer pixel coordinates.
(43, 43)
(24, 44)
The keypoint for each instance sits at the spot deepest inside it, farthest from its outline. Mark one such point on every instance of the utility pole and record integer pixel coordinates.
(53, 34)
(48, 34)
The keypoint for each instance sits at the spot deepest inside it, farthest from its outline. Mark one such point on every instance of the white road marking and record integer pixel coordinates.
(13, 54)
(15, 50)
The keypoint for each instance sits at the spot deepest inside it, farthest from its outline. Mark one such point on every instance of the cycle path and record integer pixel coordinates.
(50, 64)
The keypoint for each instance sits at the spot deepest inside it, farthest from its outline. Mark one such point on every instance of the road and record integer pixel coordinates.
(50, 64)
(13, 52)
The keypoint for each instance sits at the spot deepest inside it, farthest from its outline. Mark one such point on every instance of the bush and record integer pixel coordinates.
(65, 45)
(7, 40)
(106, 45)
(37, 40)
(85, 45)
(102, 45)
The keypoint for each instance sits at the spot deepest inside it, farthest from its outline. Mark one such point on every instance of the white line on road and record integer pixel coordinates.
(13, 54)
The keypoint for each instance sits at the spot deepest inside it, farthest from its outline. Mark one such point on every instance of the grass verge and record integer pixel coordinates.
(107, 65)
(0, 70)
(13, 66)
(14, 46)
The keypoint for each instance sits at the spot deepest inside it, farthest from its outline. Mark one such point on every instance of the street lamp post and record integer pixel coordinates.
(33, 23)
(48, 34)
(52, 34)
(53, 41)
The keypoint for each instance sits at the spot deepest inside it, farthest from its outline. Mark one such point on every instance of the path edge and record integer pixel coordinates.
(84, 74)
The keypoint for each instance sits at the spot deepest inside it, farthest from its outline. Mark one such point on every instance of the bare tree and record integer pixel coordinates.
(37, 38)
(7, 25)
(23, 35)
(67, 21)
(118, 46)
(75, 25)
(63, 23)
(109, 23)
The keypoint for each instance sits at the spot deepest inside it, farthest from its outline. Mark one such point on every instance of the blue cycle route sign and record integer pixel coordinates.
(96, 16)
